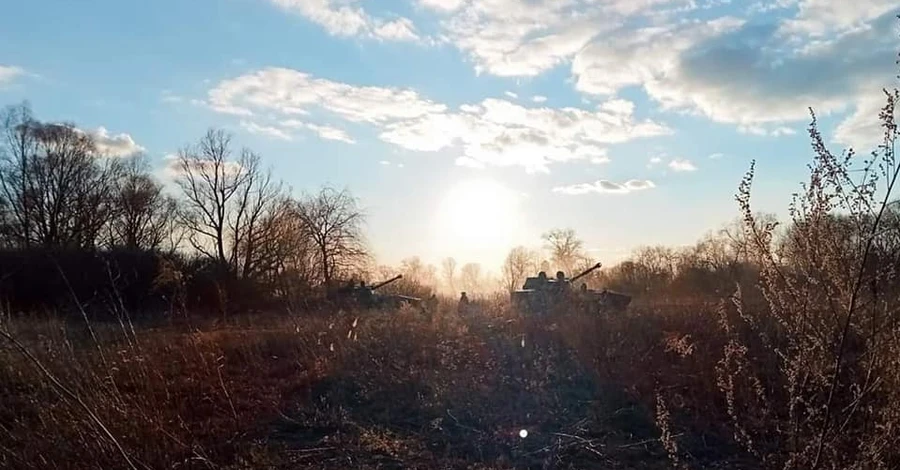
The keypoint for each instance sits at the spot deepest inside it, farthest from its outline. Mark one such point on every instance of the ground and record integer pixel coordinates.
(355, 390)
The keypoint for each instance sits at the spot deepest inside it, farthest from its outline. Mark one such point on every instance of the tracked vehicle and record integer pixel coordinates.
(541, 295)
(363, 296)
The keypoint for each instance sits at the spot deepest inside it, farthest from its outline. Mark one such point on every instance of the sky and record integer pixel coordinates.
(466, 127)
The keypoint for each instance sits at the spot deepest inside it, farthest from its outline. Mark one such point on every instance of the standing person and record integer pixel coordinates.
(462, 307)
(431, 306)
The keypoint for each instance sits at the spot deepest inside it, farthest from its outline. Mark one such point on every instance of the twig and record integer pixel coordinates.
(313, 449)
(645, 442)
(854, 297)
(463, 425)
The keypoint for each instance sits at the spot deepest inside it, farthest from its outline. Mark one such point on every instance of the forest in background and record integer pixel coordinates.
(77, 222)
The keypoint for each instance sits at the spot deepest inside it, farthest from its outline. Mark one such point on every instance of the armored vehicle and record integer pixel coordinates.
(541, 295)
(364, 296)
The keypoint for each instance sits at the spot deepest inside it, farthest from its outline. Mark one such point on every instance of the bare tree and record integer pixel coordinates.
(224, 201)
(564, 247)
(415, 271)
(518, 264)
(471, 277)
(143, 213)
(18, 146)
(334, 222)
(256, 199)
(284, 255)
(55, 189)
(448, 273)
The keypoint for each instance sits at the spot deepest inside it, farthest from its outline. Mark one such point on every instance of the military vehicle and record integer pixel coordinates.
(364, 296)
(541, 295)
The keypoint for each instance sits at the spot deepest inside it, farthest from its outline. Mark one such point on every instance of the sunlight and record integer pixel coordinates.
(478, 219)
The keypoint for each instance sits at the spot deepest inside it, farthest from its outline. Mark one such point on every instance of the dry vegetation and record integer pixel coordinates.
(777, 346)
(395, 390)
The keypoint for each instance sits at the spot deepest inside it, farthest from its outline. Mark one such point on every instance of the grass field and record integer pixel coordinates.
(368, 390)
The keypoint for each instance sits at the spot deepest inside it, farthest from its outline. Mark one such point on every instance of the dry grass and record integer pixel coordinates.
(395, 390)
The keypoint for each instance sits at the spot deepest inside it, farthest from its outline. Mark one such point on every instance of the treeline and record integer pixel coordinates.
(78, 224)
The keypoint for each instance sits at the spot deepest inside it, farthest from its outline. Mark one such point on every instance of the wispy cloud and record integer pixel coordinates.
(605, 186)
(682, 165)
(347, 18)
(323, 131)
(539, 99)
(754, 129)
(716, 156)
(8, 73)
(270, 131)
(331, 133)
(511, 94)
(654, 161)
(493, 132)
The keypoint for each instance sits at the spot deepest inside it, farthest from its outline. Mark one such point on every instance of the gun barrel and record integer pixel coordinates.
(586, 272)
(382, 284)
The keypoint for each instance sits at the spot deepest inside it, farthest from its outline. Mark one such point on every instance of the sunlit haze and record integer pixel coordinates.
(466, 127)
(478, 219)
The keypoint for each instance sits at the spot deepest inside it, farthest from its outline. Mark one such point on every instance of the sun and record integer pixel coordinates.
(478, 220)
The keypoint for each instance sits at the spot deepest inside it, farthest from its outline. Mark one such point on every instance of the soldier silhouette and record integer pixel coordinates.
(462, 307)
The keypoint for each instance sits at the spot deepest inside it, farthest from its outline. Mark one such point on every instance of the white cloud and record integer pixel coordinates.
(119, 145)
(401, 29)
(716, 156)
(682, 165)
(270, 131)
(346, 18)
(539, 99)
(323, 131)
(443, 6)
(605, 186)
(511, 94)
(823, 17)
(494, 132)
(778, 131)
(862, 130)
(528, 37)
(331, 133)
(8, 73)
(291, 92)
(500, 133)
(653, 162)
(754, 129)
(384, 162)
(639, 56)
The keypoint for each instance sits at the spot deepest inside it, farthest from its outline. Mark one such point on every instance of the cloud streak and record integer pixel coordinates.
(605, 187)
(348, 19)
(682, 165)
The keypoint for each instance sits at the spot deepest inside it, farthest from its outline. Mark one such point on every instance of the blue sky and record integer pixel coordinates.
(467, 126)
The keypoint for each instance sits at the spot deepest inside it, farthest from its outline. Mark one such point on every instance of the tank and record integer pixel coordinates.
(364, 296)
(542, 295)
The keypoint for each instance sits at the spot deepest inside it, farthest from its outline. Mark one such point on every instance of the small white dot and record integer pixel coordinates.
(523, 433)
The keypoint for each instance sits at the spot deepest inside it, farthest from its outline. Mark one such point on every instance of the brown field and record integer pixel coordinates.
(397, 390)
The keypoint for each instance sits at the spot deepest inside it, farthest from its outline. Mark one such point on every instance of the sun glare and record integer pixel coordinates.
(478, 220)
